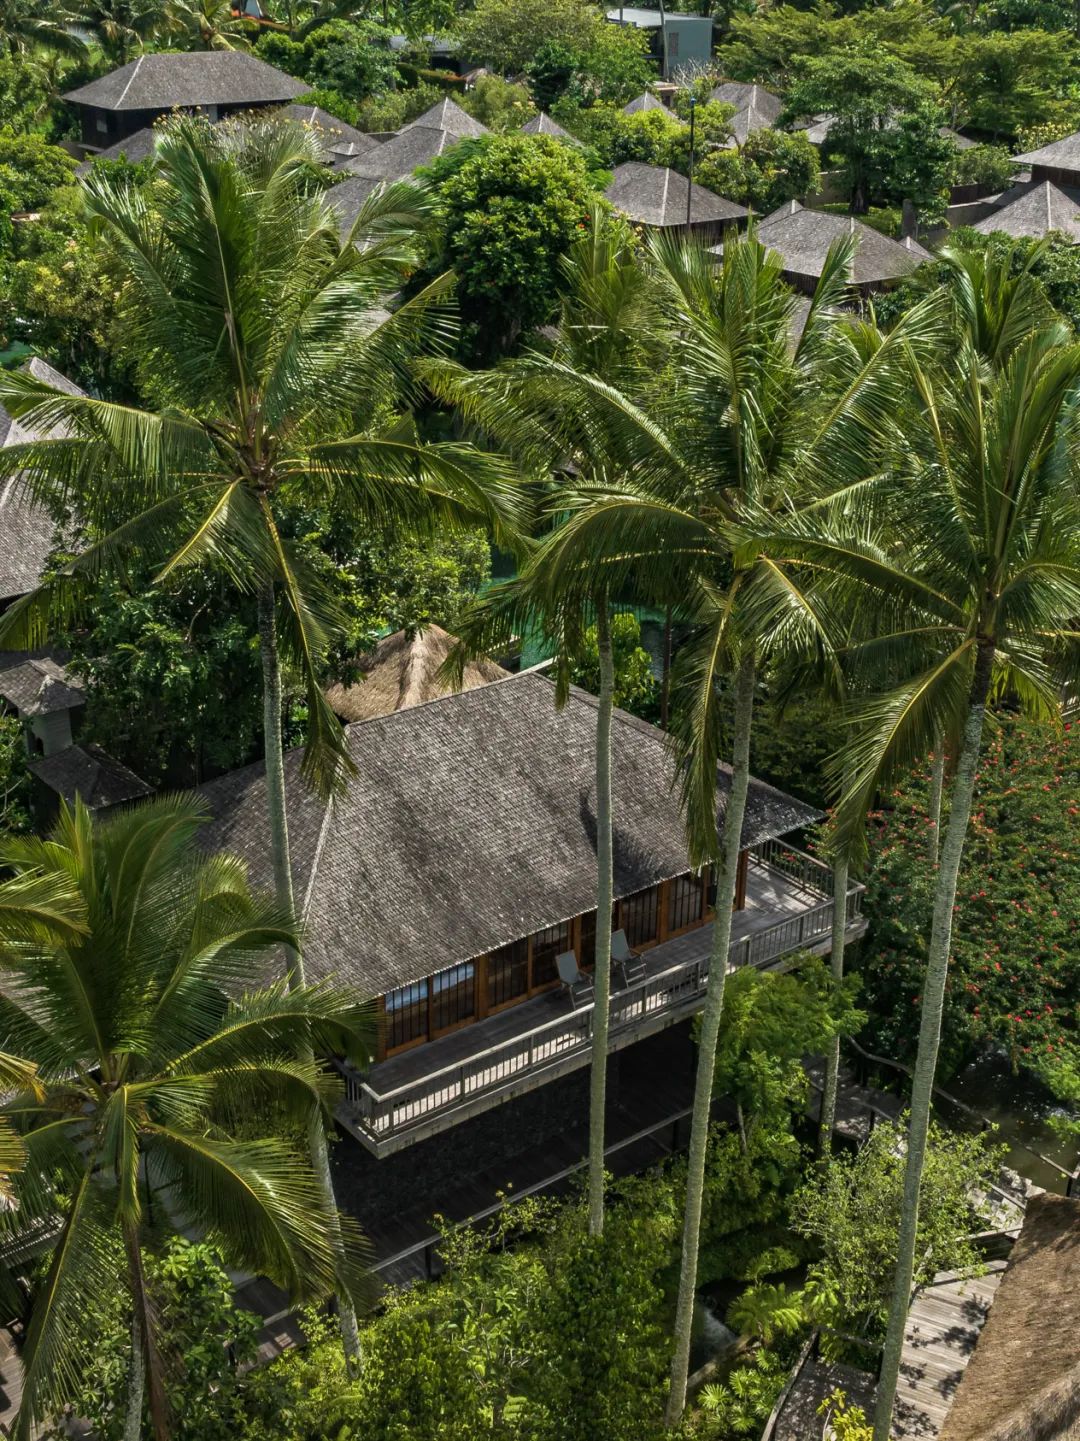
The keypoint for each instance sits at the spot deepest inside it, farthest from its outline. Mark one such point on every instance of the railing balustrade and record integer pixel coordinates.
(805, 871)
(678, 989)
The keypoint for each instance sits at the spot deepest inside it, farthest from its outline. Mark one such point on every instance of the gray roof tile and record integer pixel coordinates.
(209, 77)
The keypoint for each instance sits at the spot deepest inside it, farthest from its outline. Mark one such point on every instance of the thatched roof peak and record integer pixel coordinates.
(403, 671)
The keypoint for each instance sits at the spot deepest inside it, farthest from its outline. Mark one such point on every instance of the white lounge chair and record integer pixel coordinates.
(578, 985)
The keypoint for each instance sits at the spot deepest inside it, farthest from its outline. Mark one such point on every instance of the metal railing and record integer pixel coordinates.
(677, 990)
(804, 871)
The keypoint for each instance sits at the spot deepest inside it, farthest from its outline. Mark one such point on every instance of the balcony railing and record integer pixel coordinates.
(660, 999)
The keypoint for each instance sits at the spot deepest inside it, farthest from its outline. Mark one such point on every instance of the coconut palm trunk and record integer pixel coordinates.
(930, 1032)
(710, 1031)
(283, 889)
(604, 897)
(836, 966)
(136, 1383)
(145, 1365)
(937, 791)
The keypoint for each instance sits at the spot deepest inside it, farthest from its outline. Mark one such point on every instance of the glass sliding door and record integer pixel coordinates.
(508, 974)
(407, 1015)
(453, 997)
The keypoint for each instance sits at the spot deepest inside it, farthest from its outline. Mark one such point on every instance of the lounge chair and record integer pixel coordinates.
(631, 967)
(577, 984)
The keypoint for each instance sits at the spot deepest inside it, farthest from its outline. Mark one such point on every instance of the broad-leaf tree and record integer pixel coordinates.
(170, 1083)
(275, 379)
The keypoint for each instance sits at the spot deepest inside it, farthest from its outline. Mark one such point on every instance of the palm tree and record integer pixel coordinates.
(741, 417)
(120, 27)
(208, 25)
(29, 25)
(604, 315)
(274, 383)
(153, 1041)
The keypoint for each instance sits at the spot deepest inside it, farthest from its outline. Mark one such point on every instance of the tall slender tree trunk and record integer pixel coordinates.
(710, 1031)
(604, 889)
(283, 889)
(836, 966)
(145, 1368)
(937, 790)
(665, 672)
(136, 1381)
(933, 998)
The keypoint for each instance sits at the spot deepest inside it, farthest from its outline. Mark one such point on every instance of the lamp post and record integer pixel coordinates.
(690, 176)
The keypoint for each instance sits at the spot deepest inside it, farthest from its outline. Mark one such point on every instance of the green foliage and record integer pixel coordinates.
(769, 169)
(1011, 82)
(395, 108)
(509, 208)
(1013, 980)
(985, 165)
(741, 1405)
(503, 33)
(636, 688)
(24, 92)
(614, 68)
(851, 1209)
(349, 57)
(336, 104)
(30, 170)
(202, 1333)
(845, 1422)
(767, 1313)
(14, 777)
(499, 104)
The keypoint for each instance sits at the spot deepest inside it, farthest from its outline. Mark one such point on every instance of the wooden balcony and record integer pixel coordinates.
(789, 908)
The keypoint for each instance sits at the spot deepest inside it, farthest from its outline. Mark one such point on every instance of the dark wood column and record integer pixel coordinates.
(740, 880)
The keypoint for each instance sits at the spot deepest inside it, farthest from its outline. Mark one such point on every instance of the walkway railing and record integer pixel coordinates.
(804, 871)
(664, 997)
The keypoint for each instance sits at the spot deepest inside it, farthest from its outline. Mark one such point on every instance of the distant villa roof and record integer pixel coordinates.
(210, 77)
(135, 148)
(87, 773)
(403, 671)
(337, 132)
(542, 124)
(446, 115)
(755, 107)
(410, 148)
(656, 195)
(26, 530)
(471, 822)
(1061, 154)
(1023, 1380)
(802, 239)
(39, 687)
(647, 101)
(1040, 209)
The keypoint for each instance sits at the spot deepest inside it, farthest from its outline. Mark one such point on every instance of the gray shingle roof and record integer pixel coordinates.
(802, 238)
(755, 107)
(336, 130)
(1040, 209)
(647, 101)
(348, 198)
(39, 687)
(446, 115)
(26, 530)
(394, 159)
(209, 77)
(135, 148)
(470, 823)
(656, 195)
(1058, 155)
(542, 124)
(91, 775)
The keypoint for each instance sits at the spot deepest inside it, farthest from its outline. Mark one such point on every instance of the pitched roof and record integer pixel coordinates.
(802, 239)
(542, 124)
(1023, 1380)
(647, 101)
(88, 773)
(26, 530)
(403, 671)
(755, 107)
(470, 823)
(1038, 210)
(348, 198)
(337, 131)
(656, 195)
(39, 687)
(446, 115)
(135, 148)
(1061, 154)
(206, 77)
(410, 148)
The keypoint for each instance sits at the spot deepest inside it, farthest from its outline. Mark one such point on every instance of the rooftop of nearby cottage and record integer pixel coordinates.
(802, 238)
(1036, 211)
(657, 195)
(1061, 154)
(470, 822)
(404, 671)
(168, 81)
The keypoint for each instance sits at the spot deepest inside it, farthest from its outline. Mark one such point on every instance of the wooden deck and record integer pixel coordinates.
(436, 1085)
(798, 1418)
(943, 1326)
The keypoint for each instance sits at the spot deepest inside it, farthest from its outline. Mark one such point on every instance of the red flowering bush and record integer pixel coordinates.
(1014, 976)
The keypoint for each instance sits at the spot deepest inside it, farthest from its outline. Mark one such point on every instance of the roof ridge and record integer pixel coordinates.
(131, 81)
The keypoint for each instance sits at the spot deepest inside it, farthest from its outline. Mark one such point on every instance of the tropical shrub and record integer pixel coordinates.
(986, 165)
(636, 688)
(769, 169)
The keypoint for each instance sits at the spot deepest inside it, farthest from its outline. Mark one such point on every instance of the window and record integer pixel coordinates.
(546, 945)
(508, 973)
(453, 996)
(686, 901)
(407, 1015)
(639, 916)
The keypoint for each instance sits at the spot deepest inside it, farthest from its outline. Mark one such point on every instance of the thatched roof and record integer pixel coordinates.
(1040, 208)
(88, 773)
(39, 687)
(470, 822)
(656, 195)
(1023, 1382)
(446, 115)
(542, 124)
(403, 671)
(802, 239)
(207, 77)
(1058, 155)
(26, 530)
(647, 101)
